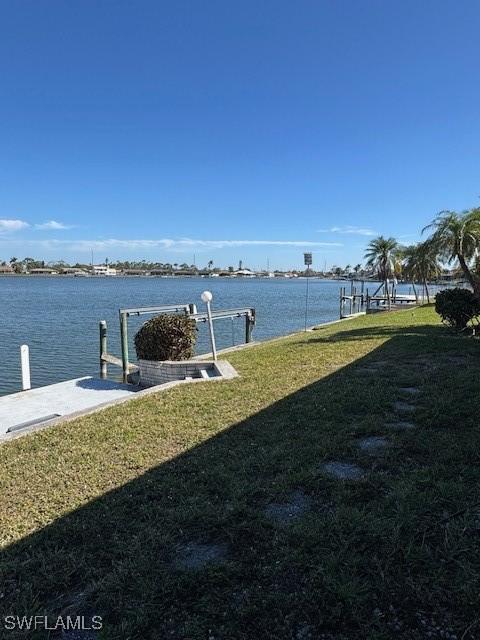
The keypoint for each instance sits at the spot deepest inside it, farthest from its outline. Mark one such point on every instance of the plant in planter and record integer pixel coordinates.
(161, 340)
(457, 307)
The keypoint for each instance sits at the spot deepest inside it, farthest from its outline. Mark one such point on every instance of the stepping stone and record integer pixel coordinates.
(403, 407)
(197, 556)
(401, 425)
(284, 513)
(454, 359)
(412, 391)
(372, 367)
(373, 444)
(343, 470)
(420, 362)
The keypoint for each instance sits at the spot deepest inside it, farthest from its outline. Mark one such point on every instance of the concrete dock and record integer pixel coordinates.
(25, 410)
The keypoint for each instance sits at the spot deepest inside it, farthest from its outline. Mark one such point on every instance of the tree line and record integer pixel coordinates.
(454, 240)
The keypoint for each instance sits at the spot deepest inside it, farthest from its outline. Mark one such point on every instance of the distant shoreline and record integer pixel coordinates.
(180, 275)
(208, 277)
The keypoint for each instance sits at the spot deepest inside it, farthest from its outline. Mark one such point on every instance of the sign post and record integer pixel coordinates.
(307, 259)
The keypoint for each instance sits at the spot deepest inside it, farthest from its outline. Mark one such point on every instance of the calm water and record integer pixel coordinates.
(58, 317)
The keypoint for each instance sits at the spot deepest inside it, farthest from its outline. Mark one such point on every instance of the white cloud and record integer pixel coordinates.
(12, 225)
(52, 225)
(171, 244)
(349, 229)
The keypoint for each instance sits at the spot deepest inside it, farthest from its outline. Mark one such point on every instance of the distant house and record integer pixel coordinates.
(6, 270)
(185, 272)
(43, 271)
(134, 272)
(160, 272)
(103, 270)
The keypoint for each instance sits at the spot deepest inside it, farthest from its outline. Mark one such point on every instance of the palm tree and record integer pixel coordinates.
(456, 236)
(421, 264)
(382, 255)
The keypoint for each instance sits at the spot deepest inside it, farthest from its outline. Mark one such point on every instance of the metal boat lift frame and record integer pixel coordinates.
(189, 310)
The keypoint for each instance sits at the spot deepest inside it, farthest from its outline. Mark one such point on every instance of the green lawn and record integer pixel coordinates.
(206, 512)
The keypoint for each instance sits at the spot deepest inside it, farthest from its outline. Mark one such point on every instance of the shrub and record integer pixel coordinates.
(166, 337)
(457, 307)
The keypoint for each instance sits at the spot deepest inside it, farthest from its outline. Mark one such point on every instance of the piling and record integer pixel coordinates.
(102, 325)
(124, 339)
(25, 364)
(249, 322)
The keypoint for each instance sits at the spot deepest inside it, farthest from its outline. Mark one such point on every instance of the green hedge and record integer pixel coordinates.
(457, 307)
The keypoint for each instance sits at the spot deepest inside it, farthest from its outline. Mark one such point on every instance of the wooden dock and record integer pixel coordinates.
(359, 301)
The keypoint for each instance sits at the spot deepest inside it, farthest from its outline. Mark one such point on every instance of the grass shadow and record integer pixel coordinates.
(385, 331)
(188, 550)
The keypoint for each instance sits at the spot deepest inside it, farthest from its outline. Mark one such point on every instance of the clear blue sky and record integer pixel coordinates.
(233, 130)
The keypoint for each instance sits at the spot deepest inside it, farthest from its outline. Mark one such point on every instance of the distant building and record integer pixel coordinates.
(135, 272)
(43, 271)
(6, 270)
(160, 272)
(103, 270)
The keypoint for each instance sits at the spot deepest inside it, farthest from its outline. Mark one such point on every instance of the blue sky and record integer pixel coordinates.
(233, 130)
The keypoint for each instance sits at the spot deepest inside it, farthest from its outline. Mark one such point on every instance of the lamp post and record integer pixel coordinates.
(207, 298)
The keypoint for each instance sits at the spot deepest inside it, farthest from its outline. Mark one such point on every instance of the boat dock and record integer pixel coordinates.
(26, 410)
(360, 301)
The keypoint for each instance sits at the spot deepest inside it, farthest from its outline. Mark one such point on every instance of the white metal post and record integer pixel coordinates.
(25, 363)
(207, 298)
(212, 335)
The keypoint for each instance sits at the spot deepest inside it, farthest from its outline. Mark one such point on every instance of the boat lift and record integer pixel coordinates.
(190, 310)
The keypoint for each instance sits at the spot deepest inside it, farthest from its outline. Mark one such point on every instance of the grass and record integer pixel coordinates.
(156, 514)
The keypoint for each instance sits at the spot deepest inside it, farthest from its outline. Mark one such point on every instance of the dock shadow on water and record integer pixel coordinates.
(247, 536)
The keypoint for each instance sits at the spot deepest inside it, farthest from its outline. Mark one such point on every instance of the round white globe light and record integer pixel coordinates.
(207, 296)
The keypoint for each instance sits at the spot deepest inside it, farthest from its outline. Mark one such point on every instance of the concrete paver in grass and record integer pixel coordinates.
(403, 407)
(411, 391)
(284, 513)
(401, 425)
(194, 556)
(373, 444)
(343, 470)
(456, 359)
(374, 367)
(419, 363)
